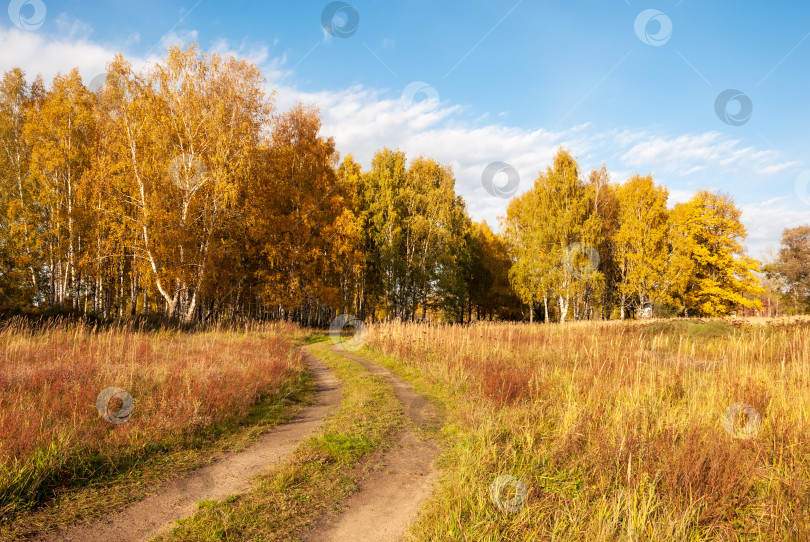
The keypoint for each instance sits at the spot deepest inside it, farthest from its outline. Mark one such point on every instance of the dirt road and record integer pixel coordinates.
(391, 496)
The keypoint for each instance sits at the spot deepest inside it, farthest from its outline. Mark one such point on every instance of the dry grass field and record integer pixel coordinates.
(56, 434)
(663, 430)
(644, 430)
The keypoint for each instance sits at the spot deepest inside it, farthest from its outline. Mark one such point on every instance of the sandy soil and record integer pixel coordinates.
(229, 475)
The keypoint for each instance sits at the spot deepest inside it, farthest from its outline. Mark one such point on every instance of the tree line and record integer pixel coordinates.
(179, 190)
(586, 247)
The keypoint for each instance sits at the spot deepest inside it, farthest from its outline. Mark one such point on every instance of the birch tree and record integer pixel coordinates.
(641, 240)
(20, 214)
(187, 127)
(61, 147)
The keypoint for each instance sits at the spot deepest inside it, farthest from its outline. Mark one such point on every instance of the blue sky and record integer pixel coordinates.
(632, 84)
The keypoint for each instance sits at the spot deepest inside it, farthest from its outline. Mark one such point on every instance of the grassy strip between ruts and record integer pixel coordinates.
(135, 476)
(322, 472)
(451, 436)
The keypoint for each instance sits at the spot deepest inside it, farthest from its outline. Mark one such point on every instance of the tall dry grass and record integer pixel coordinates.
(617, 430)
(51, 433)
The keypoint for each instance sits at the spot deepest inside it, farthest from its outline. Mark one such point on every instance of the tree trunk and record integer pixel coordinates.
(564, 303)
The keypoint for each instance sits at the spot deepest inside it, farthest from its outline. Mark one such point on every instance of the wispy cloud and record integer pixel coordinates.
(690, 153)
(173, 38)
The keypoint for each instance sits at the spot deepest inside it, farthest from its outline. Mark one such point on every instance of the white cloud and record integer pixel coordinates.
(35, 54)
(181, 39)
(363, 120)
(766, 220)
(773, 169)
(691, 153)
(679, 196)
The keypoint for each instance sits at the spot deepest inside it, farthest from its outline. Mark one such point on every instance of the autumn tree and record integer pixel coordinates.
(186, 130)
(792, 267)
(411, 217)
(436, 219)
(490, 292)
(382, 210)
(531, 271)
(61, 141)
(553, 232)
(20, 213)
(453, 294)
(641, 241)
(176, 188)
(300, 214)
(350, 252)
(716, 275)
(605, 204)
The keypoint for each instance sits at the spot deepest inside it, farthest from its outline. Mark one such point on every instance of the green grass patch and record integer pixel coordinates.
(342, 447)
(311, 337)
(693, 329)
(439, 397)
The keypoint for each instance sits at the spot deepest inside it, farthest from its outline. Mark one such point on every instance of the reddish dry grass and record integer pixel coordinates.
(50, 429)
(502, 384)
